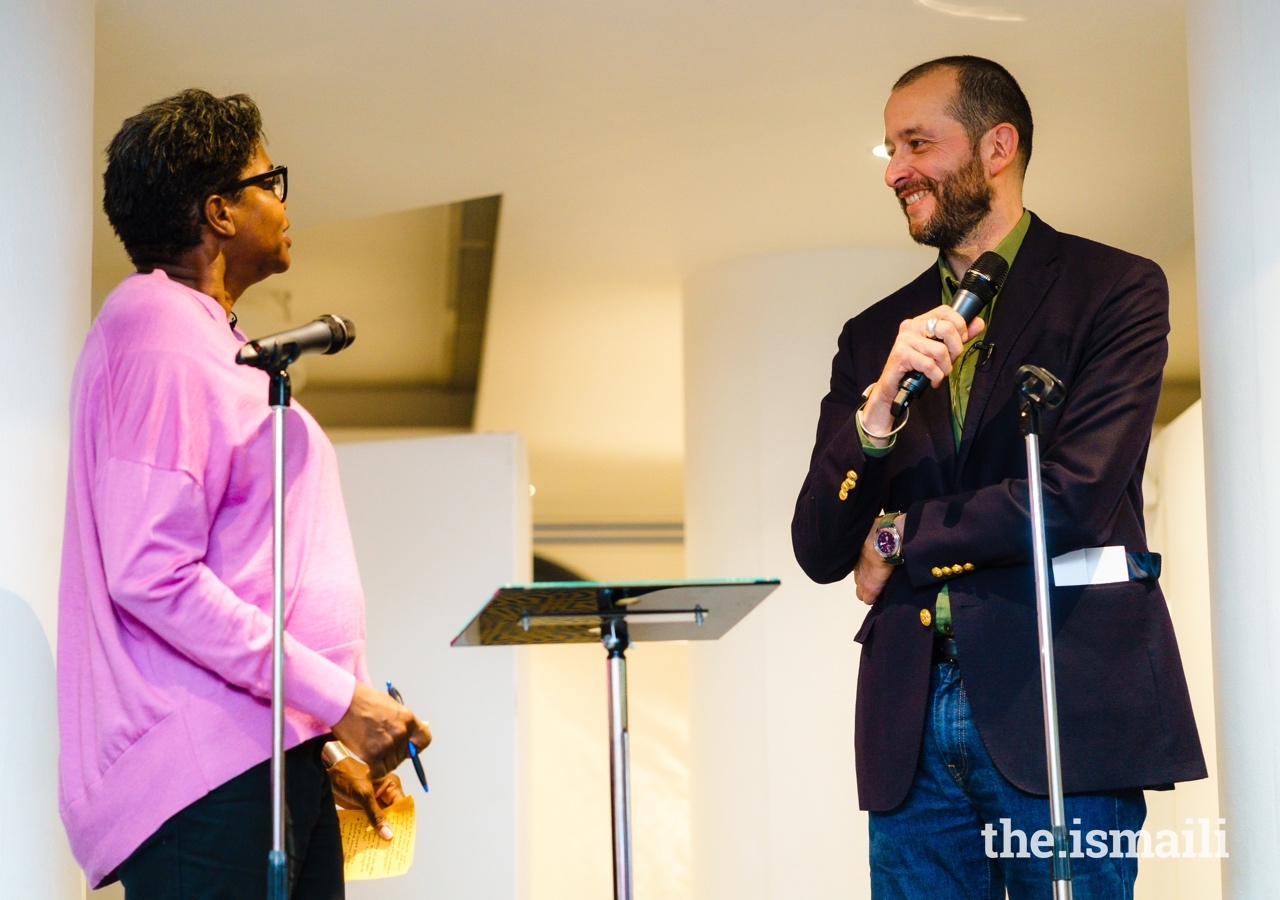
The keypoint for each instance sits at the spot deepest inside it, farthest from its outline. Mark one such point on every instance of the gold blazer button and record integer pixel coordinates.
(926, 618)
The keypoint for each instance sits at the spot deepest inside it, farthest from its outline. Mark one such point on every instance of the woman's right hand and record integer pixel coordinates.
(352, 789)
(378, 730)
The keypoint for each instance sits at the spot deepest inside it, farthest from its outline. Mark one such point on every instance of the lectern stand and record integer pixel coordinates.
(616, 614)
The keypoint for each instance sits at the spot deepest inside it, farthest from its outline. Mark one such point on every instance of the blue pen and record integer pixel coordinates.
(413, 751)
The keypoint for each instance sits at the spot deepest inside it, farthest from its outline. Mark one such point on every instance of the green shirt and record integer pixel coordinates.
(960, 382)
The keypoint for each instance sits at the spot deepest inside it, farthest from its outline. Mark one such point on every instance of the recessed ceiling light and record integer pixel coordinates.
(990, 13)
(880, 151)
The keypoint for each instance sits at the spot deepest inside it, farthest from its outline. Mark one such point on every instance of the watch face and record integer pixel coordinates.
(887, 542)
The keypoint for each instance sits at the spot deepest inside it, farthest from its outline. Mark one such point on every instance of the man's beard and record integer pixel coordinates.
(962, 199)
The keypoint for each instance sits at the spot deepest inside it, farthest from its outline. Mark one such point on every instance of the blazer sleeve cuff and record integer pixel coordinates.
(925, 557)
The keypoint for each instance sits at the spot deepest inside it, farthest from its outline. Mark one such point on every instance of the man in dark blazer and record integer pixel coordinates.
(931, 515)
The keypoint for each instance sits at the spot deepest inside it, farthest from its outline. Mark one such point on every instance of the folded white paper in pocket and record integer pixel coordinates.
(1094, 565)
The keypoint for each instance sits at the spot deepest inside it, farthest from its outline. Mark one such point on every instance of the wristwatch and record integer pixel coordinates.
(888, 541)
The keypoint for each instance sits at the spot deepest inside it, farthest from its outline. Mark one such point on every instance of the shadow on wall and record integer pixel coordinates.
(546, 570)
(35, 860)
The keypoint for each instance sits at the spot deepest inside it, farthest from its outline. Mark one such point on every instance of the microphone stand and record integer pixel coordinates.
(1039, 390)
(274, 354)
(279, 395)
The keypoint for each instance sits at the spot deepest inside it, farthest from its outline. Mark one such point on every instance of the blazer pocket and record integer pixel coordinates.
(867, 621)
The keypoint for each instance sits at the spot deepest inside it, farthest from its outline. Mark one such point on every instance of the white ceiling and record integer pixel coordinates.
(636, 142)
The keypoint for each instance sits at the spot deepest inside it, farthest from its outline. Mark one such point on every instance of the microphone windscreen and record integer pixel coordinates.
(986, 275)
(991, 266)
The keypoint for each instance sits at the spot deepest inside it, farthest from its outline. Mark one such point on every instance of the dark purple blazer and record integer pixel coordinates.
(1097, 318)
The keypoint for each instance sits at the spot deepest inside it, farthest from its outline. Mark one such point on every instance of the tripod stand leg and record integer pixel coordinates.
(616, 642)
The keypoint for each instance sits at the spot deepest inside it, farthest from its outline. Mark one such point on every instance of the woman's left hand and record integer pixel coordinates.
(352, 789)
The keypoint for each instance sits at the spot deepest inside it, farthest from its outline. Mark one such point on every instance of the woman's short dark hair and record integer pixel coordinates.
(167, 160)
(986, 96)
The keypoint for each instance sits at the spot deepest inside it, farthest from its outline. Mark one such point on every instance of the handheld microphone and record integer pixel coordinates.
(327, 334)
(979, 285)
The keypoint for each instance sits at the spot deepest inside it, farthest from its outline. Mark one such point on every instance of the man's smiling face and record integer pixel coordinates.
(933, 169)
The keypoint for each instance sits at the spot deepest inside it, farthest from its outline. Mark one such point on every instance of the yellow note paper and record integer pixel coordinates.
(366, 855)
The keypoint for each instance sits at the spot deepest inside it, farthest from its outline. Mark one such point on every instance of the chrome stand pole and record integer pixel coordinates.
(1048, 678)
(1041, 390)
(616, 641)
(277, 862)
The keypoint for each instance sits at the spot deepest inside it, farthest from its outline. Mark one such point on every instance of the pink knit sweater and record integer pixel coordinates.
(164, 619)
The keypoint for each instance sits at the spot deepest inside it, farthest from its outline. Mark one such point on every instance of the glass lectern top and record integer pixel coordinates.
(573, 612)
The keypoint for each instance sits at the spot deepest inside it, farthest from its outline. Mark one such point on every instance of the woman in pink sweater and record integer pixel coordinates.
(164, 629)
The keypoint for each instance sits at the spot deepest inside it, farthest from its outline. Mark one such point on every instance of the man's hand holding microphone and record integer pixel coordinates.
(929, 345)
(925, 351)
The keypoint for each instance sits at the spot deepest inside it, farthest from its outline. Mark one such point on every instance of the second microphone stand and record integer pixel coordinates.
(1039, 390)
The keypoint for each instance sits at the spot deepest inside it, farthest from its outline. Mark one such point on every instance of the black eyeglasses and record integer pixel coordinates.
(275, 180)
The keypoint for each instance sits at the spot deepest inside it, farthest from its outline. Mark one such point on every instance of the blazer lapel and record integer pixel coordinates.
(1029, 281)
(933, 406)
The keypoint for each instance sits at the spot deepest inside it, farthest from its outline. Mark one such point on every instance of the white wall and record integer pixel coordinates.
(46, 193)
(1177, 529)
(571, 850)
(439, 523)
(1233, 73)
(774, 803)
(46, 118)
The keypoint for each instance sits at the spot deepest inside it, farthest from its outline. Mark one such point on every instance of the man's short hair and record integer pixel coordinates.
(986, 96)
(167, 160)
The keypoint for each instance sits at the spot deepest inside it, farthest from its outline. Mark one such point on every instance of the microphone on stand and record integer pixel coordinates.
(978, 287)
(274, 354)
(327, 335)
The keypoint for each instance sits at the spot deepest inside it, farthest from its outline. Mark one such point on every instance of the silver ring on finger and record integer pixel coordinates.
(930, 327)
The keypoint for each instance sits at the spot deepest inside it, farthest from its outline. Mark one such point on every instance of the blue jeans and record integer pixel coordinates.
(936, 845)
